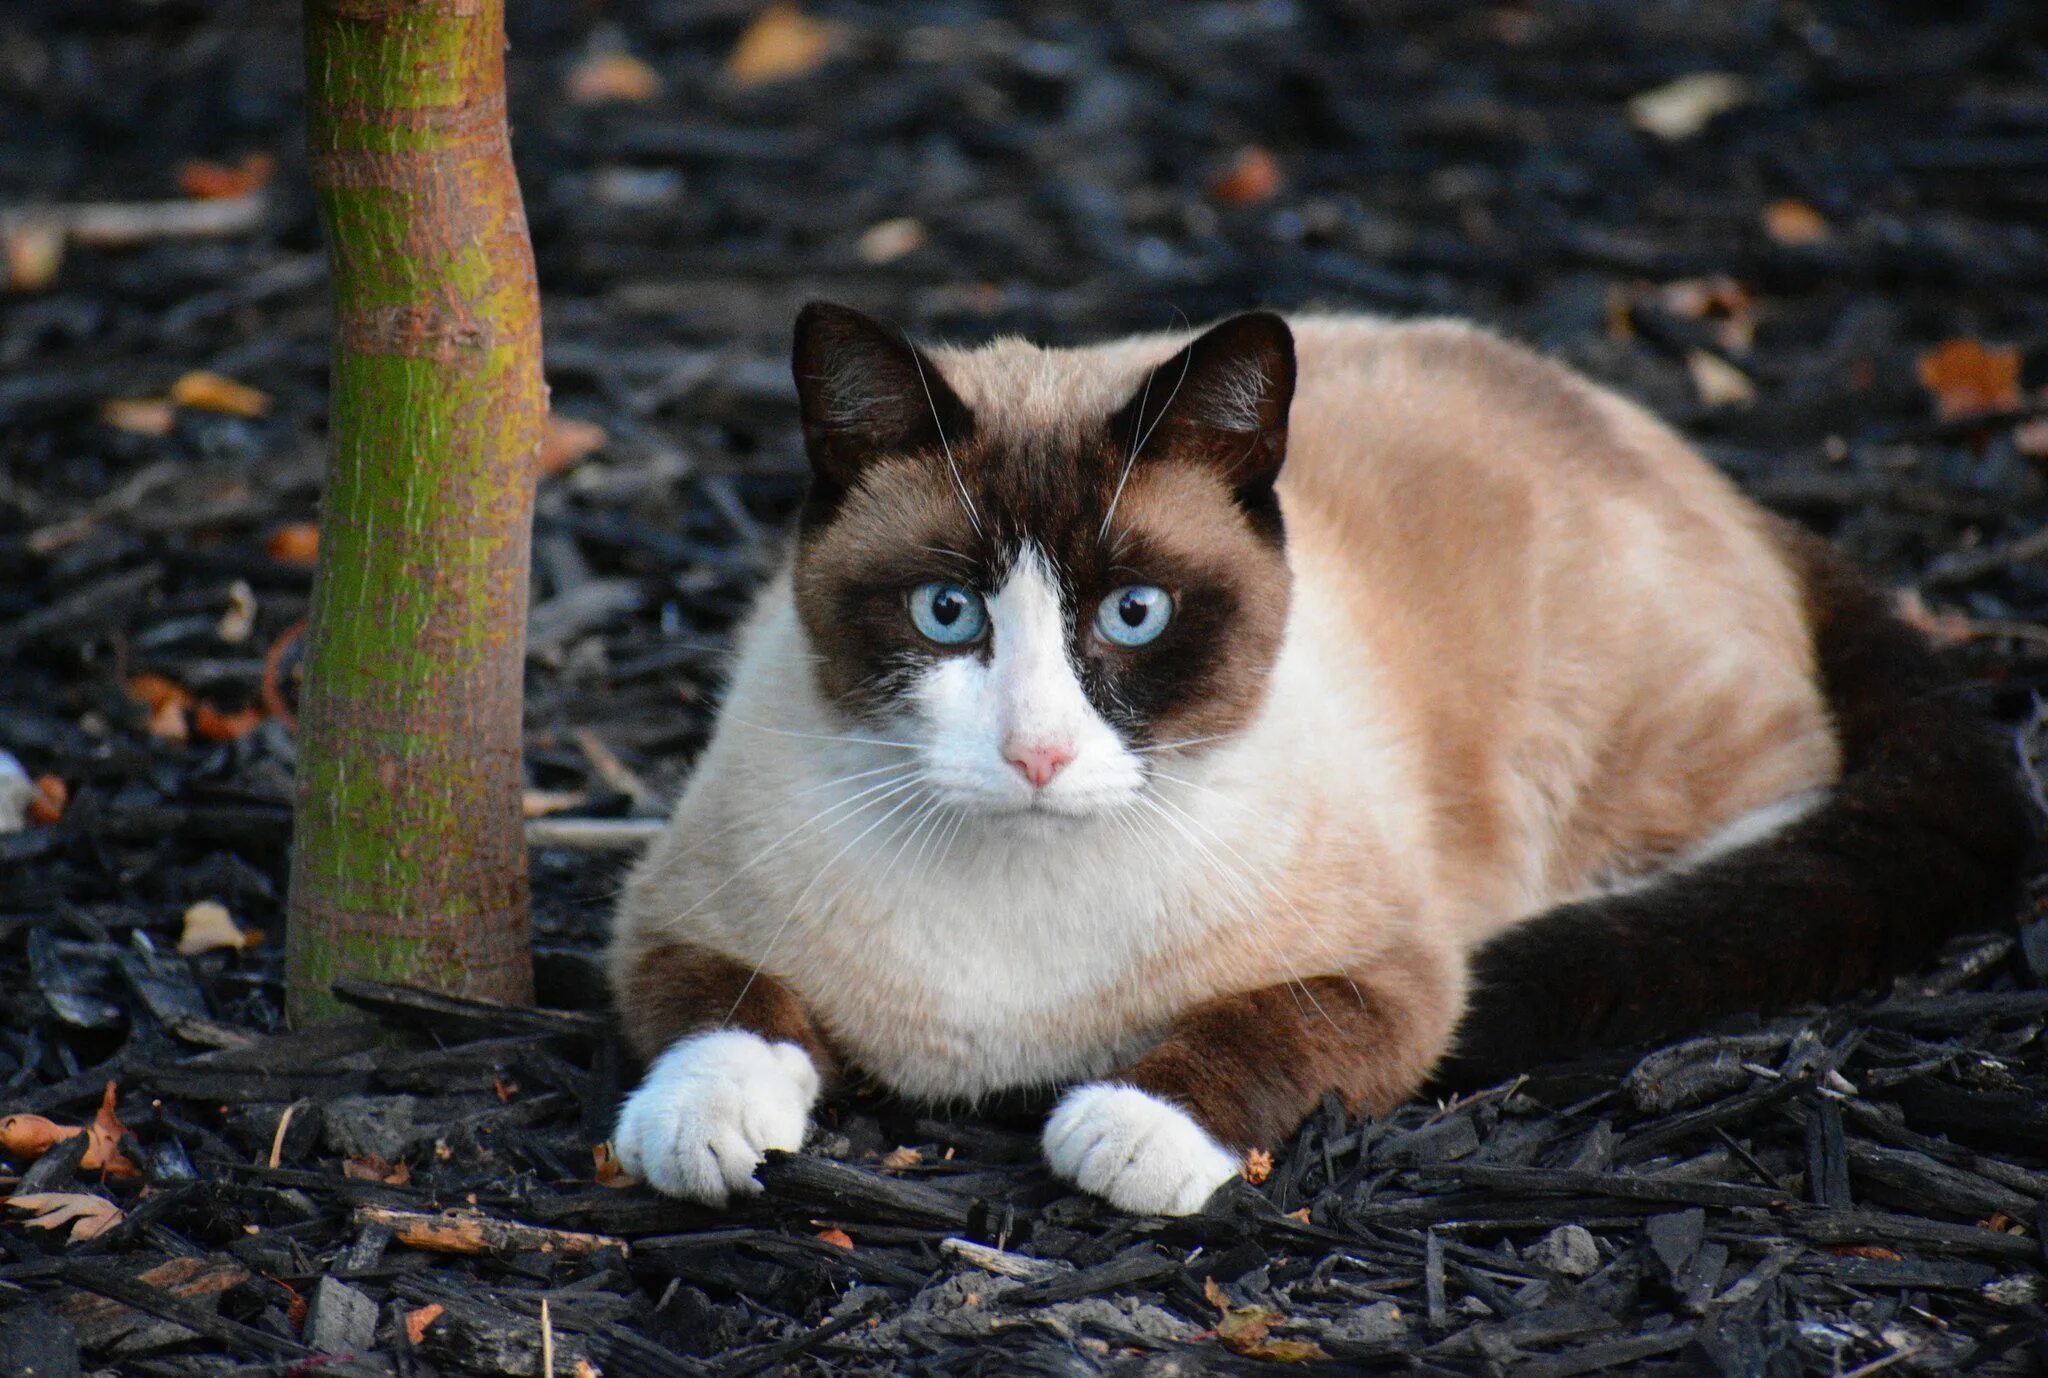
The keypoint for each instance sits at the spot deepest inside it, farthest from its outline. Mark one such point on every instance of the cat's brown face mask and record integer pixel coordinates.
(1036, 611)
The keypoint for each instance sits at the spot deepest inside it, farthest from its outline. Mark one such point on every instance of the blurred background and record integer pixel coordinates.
(1809, 233)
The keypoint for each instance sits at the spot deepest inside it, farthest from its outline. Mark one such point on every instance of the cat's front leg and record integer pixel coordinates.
(1242, 1071)
(738, 1073)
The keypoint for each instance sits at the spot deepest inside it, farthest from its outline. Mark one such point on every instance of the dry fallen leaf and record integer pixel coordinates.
(30, 255)
(1793, 223)
(154, 417)
(1968, 379)
(1242, 1330)
(1943, 628)
(609, 1173)
(214, 726)
(295, 544)
(1253, 177)
(26, 1138)
(240, 618)
(782, 42)
(838, 1239)
(52, 794)
(210, 928)
(1872, 1251)
(86, 1214)
(1718, 382)
(897, 1159)
(565, 441)
(203, 391)
(1720, 302)
(888, 240)
(416, 1322)
(1682, 108)
(612, 76)
(206, 181)
(1258, 1166)
(168, 704)
(103, 1153)
(371, 1168)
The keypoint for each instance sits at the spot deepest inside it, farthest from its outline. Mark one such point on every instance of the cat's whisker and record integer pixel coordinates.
(915, 824)
(1187, 360)
(795, 908)
(680, 857)
(892, 786)
(820, 736)
(1185, 741)
(959, 483)
(1311, 930)
(1254, 911)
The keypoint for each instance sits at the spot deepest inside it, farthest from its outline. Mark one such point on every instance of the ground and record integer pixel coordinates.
(1825, 265)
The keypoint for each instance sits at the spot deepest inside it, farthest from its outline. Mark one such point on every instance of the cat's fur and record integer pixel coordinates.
(1463, 646)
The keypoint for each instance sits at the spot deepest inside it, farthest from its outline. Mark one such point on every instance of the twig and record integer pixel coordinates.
(123, 224)
(460, 1233)
(593, 834)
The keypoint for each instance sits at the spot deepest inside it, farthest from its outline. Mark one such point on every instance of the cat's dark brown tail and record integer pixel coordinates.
(1926, 835)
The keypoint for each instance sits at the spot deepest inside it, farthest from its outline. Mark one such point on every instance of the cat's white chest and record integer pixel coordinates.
(989, 976)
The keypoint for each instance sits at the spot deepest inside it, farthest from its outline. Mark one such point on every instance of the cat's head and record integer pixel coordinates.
(1043, 572)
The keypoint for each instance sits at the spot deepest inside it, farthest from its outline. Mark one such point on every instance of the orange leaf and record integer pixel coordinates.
(30, 255)
(86, 1214)
(155, 692)
(206, 181)
(51, 796)
(296, 544)
(614, 76)
(897, 1159)
(1253, 177)
(609, 1173)
(782, 42)
(565, 441)
(28, 1137)
(1258, 1166)
(1242, 1330)
(203, 391)
(838, 1239)
(1873, 1251)
(210, 928)
(150, 416)
(416, 1322)
(1794, 224)
(1940, 627)
(1967, 379)
(104, 1135)
(371, 1168)
(215, 726)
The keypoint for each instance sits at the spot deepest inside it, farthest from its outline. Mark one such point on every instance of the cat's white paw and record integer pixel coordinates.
(710, 1108)
(1135, 1151)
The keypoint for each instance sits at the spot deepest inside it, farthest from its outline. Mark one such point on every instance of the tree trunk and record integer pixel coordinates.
(408, 860)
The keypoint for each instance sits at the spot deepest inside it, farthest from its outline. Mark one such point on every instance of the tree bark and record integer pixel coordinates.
(408, 860)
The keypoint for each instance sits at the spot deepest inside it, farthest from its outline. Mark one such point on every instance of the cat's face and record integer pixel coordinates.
(1044, 613)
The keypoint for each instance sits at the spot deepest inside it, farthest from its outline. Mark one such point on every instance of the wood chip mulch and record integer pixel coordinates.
(1826, 263)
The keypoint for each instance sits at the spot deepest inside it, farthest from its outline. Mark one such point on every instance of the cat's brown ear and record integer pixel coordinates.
(866, 392)
(1221, 401)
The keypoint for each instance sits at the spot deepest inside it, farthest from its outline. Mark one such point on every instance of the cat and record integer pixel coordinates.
(1206, 722)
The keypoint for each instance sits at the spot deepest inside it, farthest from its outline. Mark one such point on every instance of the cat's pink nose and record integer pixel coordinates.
(1040, 763)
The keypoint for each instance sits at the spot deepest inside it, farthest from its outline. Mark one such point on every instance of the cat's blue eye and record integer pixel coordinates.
(1134, 615)
(947, 613)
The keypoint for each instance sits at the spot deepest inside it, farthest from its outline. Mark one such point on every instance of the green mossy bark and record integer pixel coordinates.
(408, 858)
